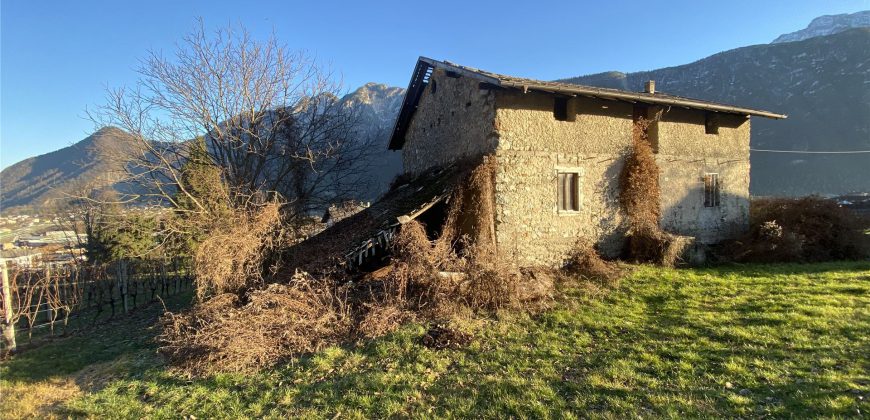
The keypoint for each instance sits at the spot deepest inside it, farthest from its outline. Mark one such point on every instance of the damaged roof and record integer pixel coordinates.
(424, 67)
(369, 233)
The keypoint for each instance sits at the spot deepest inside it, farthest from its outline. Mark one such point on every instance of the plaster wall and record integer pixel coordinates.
(533, 147)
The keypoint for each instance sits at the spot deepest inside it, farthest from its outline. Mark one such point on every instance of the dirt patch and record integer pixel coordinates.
(441, 336)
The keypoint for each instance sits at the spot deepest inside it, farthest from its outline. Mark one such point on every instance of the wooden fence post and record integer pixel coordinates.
(163, 286)
(8, 321)
(122, 283)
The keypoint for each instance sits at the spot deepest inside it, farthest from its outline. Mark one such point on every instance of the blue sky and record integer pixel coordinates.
(57, 57)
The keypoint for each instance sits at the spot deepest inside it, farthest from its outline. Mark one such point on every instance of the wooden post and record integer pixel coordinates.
(122, 283)
(47, 293)
(163, 278)
(8, 321)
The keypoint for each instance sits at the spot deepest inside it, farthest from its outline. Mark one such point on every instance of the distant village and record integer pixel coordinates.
(39, 240)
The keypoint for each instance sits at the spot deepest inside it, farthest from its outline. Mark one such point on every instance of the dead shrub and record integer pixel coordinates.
(640, 199)
(381, 319)
(458, 272)
(639, 181)
(585, 262)
(236, 258)
(807, 229)
(432, 278)
(230, 334)
(653, 245)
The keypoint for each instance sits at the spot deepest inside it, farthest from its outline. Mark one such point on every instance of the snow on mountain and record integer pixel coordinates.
(828, 25)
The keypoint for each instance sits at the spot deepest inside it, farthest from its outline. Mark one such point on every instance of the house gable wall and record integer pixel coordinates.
(452, 122)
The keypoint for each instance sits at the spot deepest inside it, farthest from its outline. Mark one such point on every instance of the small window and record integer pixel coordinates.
(711, 190)
(568, 193)
(434, 86)
(560, 109)
(711, 123)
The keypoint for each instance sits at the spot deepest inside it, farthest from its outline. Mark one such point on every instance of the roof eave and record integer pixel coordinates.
(414, 90)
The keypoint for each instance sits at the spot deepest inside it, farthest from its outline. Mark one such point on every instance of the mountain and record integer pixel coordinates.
(376, 107)
(827, 25)
(37, 181)
(822, 83)
(819, 76)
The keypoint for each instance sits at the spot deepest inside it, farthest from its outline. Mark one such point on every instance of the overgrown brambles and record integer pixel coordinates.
(640, 199)
(804, 229)
(639, 181)
(235, 260)
(427, 280)
(585, 262)
(227, 333)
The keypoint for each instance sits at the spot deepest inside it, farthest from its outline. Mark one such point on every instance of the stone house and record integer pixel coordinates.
(557, 151)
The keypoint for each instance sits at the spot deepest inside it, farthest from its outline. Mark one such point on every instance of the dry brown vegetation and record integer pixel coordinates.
(640, 199)
(585, 262)
(808, 229)
(229, 333)
(241, 326)
(236, 258)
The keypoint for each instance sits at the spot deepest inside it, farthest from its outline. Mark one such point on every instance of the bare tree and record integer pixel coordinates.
(270, 120)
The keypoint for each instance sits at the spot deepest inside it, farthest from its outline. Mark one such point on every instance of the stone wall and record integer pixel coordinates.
(454, 120)
(533, 146)
(685, 155)
(457, 119)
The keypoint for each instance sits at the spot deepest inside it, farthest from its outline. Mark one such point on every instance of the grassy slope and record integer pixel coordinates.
(784, 340)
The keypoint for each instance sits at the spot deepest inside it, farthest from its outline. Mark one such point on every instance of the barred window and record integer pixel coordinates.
(568, 194)
(711, 190)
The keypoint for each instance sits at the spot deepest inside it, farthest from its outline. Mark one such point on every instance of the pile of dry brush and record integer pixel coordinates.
(241, 326)
(807, 229)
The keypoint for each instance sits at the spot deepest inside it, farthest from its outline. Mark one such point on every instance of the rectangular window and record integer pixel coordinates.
(711, 123)
(568, 194)
(560, 108)
(711, 190)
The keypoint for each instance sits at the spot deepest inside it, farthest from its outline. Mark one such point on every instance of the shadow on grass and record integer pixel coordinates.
(767, 270)
(101, 343)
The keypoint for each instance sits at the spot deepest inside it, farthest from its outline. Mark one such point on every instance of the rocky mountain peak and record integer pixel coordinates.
(828, 25)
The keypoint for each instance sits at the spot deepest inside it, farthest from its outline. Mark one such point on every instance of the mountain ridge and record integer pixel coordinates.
(827, 25)
(822, 82)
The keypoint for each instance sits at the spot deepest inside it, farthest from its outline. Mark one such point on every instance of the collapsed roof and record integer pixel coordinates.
(425, 66)
(368, 234)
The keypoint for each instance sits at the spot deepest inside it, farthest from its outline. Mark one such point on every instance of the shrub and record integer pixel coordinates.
(585, 262)
(227, 333)
(235, 259)
(640, 198)
(804, 229)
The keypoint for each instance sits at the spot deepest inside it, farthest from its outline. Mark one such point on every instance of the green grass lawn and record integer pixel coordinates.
(749, 341)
